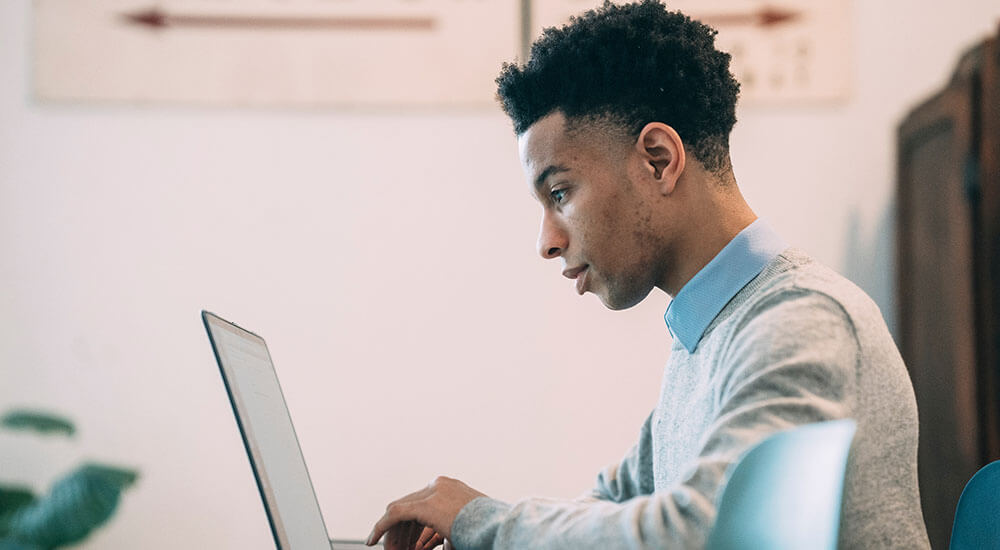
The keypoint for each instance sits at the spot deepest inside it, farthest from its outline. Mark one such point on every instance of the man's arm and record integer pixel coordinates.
(631, 477)
(617, 483)
(793, 362)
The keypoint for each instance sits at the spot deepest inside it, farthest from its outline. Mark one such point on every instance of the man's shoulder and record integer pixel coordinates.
(795, 275)
(794, 286)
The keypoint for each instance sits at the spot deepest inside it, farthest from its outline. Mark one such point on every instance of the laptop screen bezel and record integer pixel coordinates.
(270, 502)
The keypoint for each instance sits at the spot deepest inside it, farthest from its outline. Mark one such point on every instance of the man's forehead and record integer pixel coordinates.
(542, 141)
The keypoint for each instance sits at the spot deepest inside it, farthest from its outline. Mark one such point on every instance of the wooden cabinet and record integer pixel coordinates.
(948, 273)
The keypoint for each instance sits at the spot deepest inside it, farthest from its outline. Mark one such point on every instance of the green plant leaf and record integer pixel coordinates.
(12, 499)
(38, 421)
(77, 504)
(7, 544)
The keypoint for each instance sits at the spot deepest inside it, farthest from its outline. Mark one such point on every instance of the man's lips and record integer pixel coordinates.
(572, 273)
(580, 274)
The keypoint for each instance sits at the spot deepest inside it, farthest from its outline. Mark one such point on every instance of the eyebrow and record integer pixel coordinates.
(549, 171)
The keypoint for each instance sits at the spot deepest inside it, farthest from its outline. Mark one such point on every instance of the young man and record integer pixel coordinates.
(623, 120)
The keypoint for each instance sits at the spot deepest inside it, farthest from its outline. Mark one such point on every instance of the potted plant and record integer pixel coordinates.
(74, 506)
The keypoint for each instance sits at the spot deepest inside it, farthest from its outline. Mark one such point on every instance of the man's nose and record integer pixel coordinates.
(552, 239)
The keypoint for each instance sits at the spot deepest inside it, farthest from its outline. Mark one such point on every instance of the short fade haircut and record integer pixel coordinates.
(630, 65)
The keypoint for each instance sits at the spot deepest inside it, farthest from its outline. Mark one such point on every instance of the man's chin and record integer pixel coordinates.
(616, 302)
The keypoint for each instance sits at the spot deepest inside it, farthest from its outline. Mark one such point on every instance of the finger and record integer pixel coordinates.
(408, 534)
(429, 539)
(392, 537)
(400, 510)
(412, 535)
(397, 535)
(425, 537)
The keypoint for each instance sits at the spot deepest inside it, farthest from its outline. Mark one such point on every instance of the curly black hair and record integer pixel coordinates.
(629, 64)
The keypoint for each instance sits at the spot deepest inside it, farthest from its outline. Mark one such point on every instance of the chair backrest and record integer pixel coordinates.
(977, 518)
(785, 493)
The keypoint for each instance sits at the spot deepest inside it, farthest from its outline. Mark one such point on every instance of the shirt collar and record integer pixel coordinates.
(703, 297)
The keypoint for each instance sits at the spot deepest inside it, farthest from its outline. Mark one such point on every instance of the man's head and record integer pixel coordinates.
(630, 65)
(609, 110)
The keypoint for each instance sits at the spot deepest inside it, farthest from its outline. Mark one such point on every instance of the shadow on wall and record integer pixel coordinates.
(870, 260)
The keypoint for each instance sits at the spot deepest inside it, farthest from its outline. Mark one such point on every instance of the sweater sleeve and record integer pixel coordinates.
(791, 362)
(631, 477)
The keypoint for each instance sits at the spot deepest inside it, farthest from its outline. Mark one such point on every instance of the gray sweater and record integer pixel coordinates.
(798, 344)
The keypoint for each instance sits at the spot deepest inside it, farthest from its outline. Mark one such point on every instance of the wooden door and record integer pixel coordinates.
(986, 242)
(936, 287)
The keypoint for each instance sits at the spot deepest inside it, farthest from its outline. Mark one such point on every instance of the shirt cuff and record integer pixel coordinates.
(475, 526)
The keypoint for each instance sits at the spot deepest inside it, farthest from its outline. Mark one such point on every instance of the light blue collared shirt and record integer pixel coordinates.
(704, 296)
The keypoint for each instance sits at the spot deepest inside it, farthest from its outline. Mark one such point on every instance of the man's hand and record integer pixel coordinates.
(423, 519)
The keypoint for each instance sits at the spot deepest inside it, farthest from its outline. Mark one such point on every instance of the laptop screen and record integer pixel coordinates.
(263, 418)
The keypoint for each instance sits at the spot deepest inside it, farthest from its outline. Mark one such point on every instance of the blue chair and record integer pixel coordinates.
(785, 493)
(977, 518)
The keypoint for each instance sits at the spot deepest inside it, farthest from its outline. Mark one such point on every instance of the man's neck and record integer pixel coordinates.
(708, 233)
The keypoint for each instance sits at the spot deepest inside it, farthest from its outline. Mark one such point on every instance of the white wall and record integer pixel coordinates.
(388, 257)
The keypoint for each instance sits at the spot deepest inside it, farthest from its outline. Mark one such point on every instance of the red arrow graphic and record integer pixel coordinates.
(767, 16)
(156, 19)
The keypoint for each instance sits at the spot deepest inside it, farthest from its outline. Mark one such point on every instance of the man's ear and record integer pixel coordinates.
(662, 152)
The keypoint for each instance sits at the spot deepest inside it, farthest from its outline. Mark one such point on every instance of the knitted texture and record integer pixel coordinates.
(798, 344)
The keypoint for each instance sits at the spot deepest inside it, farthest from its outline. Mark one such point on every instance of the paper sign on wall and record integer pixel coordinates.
(385, 52)
(289, 52)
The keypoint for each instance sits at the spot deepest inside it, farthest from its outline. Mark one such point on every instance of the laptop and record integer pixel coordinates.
(270, 440)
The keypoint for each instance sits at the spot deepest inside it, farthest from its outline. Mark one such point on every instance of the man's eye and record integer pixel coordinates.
(558, 195)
